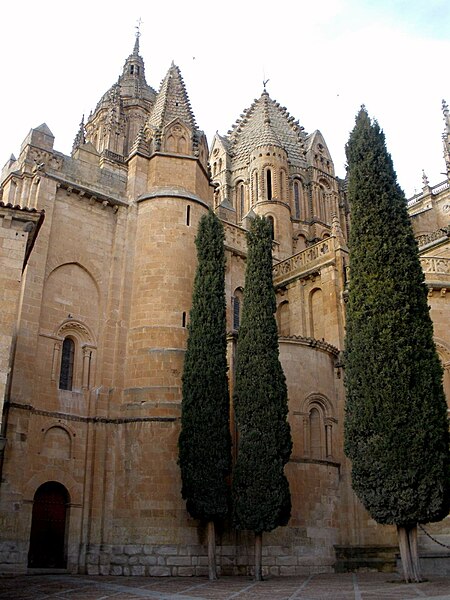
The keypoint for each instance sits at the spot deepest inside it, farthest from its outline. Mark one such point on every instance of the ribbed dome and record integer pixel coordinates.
(267, 123)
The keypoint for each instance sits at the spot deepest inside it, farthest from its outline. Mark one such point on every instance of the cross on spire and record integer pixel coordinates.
(138, 35)
(138, 27)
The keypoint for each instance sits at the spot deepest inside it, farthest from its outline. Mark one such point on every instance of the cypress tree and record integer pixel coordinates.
(205, 442)
(396, 426)
(261, 493)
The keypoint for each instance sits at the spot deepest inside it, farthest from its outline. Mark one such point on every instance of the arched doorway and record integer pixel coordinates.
(48, 527)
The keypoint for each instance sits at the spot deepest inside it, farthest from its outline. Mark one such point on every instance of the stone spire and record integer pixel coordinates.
(172, 102)
(446, 137)
(80, 138)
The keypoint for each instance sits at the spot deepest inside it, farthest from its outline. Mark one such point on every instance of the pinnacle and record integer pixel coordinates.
(172, 101)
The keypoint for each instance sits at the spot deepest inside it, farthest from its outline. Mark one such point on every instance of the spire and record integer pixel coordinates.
(172, 102)
(80, 138)
(138, 35)
(134, 65)
(446, 137)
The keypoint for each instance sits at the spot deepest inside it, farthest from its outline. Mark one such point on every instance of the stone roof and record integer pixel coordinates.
(172, 102)
(266, 122)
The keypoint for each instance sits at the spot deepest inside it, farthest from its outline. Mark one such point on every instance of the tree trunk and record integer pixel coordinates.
(407, 541)
(258, 556)
(212, 551)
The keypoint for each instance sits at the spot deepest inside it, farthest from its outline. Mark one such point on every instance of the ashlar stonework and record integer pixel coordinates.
(98, 261)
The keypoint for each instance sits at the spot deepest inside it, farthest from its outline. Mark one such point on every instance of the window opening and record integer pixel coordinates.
(272, 227)
(67, 358)
(242, 200)
(188, 215)
(236, 312)
(315, 426)
(296, 200)
(269, 184)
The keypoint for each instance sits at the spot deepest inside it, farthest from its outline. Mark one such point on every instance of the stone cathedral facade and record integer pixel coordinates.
(98, 261)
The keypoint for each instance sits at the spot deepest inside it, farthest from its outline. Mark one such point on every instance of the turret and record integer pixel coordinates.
(260, 168)
(169, 188)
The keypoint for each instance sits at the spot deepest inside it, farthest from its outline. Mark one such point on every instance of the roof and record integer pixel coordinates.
(172, 102)
(266, 122)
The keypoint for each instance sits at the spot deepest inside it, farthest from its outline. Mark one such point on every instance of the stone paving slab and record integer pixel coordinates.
(348, 586)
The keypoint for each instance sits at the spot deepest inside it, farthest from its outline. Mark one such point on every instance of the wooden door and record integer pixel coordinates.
(48, 527)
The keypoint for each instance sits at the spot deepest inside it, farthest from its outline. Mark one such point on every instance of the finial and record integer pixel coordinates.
(265, 82)
(425, 180)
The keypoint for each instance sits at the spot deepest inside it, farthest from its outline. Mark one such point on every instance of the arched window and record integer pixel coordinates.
(240, 200)
(269, 184)
(237, 308)
(281, 196)
(256, 187)
(283, 319)
(318, 425)
(317, 314)
(272, 226)
(296, 199)
(67, 360)
(316, 445)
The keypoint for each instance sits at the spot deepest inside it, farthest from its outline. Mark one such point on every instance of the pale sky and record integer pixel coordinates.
(322, 59)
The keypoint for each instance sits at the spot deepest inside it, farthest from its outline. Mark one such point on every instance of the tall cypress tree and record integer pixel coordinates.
(261, 493)
(205, 442)
(396, 426)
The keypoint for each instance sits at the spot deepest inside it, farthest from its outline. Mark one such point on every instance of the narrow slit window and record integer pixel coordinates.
(242, 200)
(236, 313)
(67, 359)
(188, 215)
(269, 184)
(183, 320)
(272, 227)
(296, 200)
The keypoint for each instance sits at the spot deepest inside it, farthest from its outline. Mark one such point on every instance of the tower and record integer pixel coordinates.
(169, 189)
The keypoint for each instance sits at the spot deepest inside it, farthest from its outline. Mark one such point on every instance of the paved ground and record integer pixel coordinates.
(363, 586)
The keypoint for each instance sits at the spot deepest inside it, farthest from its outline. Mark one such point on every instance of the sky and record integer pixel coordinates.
(322, 60)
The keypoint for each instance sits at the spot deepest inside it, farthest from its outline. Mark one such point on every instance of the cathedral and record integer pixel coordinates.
(98, 260)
